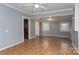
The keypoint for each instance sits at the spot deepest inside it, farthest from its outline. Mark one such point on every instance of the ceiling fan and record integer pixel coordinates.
(36, 6)
(40, 6)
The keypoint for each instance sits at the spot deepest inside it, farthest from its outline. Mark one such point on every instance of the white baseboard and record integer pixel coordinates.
(11, 45)
(56, 36)
(32, 37)
(77, 50)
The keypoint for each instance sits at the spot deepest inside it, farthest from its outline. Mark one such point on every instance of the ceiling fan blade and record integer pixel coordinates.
(29, 4)
(43, 7)
(25, 4)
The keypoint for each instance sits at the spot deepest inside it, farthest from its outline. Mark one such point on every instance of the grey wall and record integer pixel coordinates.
(10, 20)
(75, 24)
(32, 28)
(74, 34)
(75, 27)
(55, 26)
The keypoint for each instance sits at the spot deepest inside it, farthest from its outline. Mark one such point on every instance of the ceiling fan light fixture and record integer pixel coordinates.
(50, 18)
(36, 6)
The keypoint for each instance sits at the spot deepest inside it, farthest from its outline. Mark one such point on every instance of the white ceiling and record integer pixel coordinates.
(29, 9)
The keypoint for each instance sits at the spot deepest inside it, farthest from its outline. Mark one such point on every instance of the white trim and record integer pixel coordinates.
(32, 37)
(29, 27)
(61, 27)
(23, 27)
(11, 45)
(77, 50)
(56, 36)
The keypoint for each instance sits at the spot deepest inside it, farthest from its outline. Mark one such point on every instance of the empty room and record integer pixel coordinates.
(39, 29)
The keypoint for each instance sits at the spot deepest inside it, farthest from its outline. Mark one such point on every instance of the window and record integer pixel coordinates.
(45, 26)
(64, 27)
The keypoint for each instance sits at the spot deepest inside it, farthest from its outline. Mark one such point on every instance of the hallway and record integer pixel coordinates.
(42, 46)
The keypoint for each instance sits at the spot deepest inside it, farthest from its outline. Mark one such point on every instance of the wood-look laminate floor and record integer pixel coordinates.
(42, 46)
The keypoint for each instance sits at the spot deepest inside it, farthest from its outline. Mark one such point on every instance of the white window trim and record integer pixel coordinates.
(48, 26)
(61, 27)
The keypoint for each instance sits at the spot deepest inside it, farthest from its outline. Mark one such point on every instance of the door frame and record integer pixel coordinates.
(23, 27)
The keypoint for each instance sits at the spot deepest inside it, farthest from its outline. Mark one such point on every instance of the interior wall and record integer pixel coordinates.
(76, 24)
(32, 28)
(74, 34)
(10, 26)
(76, 17)
(55, 26)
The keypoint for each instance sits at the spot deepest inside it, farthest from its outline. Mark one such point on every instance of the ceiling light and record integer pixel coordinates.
(36, 5)
(50, 18)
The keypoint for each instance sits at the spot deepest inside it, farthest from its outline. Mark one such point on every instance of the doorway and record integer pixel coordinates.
(26, 29)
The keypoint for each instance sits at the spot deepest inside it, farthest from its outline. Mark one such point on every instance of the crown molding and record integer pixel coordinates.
(15, 8)
(56, 11)
(60, 13)
(41, 13)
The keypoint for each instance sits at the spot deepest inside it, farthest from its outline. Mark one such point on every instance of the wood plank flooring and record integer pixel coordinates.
(42, 46)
